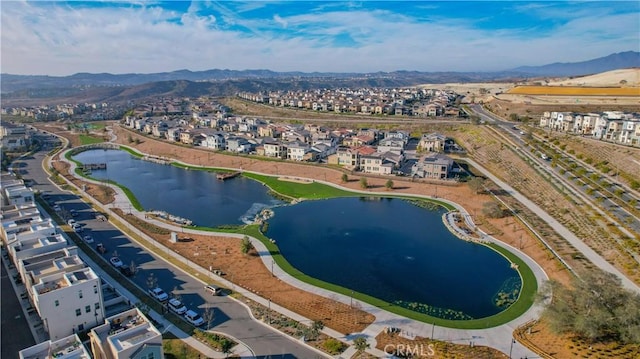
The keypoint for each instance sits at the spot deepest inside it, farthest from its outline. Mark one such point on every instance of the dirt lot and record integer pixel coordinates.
(569, 347)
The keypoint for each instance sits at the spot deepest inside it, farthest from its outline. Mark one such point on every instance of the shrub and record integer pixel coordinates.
(334, 346)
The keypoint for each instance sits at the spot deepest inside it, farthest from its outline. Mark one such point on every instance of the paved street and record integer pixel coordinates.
(231, 317)
(16, 334)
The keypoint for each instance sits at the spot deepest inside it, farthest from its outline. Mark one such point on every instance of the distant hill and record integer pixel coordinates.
(105, 87)
(620, 60)
(622, 77)
(13, 83)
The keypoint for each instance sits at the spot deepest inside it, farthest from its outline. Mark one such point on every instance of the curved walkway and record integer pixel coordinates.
(499, 337)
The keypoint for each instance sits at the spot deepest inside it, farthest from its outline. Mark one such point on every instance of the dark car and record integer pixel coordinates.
(126, 271)
(101, 248)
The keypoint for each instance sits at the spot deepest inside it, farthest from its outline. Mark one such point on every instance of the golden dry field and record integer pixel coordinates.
(574, 91)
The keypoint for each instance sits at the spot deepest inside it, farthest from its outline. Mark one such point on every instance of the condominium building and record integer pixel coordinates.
(65, 348)
(68, 302)
(126, 335)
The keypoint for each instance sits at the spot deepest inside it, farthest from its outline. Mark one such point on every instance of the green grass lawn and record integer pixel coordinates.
(88, 139)
(313, 190)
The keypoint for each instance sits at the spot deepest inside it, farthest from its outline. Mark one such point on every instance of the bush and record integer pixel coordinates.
(334, 346)
(364, 183)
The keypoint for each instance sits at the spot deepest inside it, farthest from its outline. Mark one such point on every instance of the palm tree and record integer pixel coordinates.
(360, 343)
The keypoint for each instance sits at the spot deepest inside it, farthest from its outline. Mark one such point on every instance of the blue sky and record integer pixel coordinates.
(62, 38)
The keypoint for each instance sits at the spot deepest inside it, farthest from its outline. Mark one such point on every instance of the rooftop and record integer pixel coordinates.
(65, 348)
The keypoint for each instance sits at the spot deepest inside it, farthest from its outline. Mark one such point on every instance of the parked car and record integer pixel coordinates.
(176, 306)
(158, 294)
(116, 262)
(213, 289)
(77, 227)
(73, 212)
(71, 222)
(88, 239)
(101, 248)
(193, 318)
(57, 208)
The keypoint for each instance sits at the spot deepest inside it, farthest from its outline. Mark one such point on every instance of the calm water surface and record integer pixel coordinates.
(196, 195)
(387, 248)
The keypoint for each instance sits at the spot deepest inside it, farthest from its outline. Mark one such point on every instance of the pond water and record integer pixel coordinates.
(195, 195)
(386, 248)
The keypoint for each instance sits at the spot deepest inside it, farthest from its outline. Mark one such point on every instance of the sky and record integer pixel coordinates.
(63, 38)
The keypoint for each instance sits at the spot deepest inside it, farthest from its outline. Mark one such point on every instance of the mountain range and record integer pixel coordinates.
(107, 87)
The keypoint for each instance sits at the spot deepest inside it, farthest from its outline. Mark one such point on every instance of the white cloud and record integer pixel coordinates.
(61, 40)
(282, 22)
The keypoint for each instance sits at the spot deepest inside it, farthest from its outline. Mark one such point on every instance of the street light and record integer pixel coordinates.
(511, 349)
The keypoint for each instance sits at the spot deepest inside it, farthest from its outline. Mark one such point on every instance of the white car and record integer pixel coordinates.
(158, 294)
(116, 262)
(88, 239)
(176, 306)
(71, 222)
(77, 227)
(193, 318)
(57, 208)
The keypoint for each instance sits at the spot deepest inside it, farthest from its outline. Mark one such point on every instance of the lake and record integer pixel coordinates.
(387, 248)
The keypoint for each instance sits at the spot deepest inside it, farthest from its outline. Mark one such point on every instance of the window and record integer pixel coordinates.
(87, 309)
(97, 306)
(150, 356)
(95, 289)
(80, 294)
(57, 303)
(78, 312)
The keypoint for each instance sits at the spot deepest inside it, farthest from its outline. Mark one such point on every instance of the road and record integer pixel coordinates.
(230, 316)
(13, 320)
(596, 193)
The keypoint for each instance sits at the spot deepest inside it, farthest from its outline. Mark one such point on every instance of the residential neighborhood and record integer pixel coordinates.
(365, 150)
(366, 101)
(612, 126)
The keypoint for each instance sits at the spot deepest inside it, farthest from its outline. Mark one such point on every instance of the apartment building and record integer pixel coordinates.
(68, 302)
(69, 347)
(127, 335)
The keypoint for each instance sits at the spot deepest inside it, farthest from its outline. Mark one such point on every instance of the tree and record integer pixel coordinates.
(514, 117)
(246, 245)
(345, 178)
(208, 315)
(476, 184)
(596, 308)
(175, 294)
(364, 183)
(152, 281)
(389, 184)
(360, 343)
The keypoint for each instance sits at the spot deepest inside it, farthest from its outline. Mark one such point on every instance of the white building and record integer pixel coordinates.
(65, 348)
(128, 335)
(69, 302)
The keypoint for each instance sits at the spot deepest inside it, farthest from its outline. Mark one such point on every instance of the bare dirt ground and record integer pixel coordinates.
(427, 348)
(568, 347)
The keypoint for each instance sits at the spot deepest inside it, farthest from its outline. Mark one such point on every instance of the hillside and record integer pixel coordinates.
(623, 77)
(620, 60)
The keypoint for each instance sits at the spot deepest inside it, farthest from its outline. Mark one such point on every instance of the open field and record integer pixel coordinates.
(574, 91)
